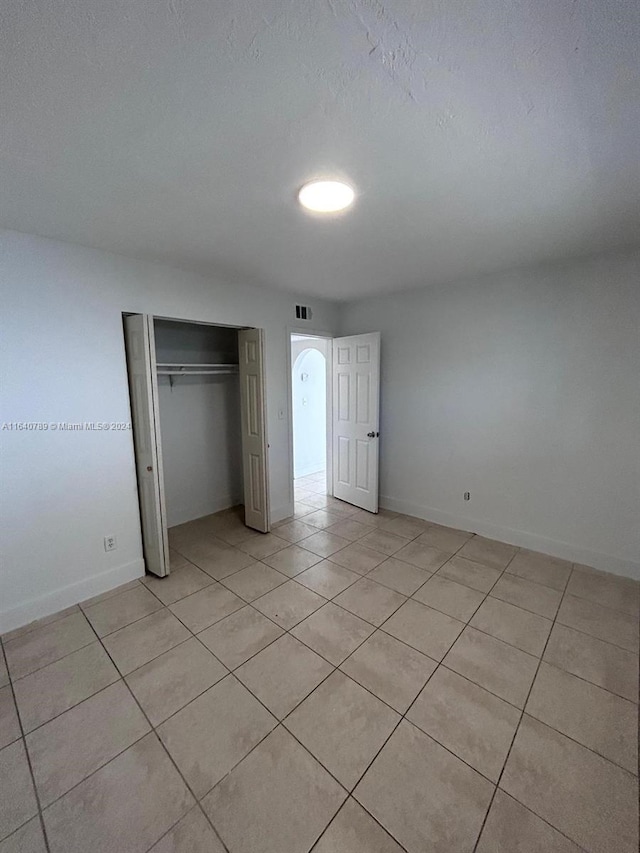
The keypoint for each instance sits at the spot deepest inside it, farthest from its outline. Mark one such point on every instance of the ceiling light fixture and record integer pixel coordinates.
(326, 196)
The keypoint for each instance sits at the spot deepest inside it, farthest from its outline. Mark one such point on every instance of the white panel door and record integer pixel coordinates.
(143, 389)
(254, 429)
(356, 397)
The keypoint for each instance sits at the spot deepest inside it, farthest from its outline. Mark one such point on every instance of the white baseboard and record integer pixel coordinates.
(532, 541)
(50, 603)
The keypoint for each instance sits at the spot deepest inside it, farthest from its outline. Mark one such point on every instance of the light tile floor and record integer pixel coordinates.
(350, 682)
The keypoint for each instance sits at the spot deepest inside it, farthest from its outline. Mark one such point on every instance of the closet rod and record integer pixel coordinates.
(226, 370)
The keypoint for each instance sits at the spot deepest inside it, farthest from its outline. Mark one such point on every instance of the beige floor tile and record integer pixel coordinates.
(4, 673)
(450, 597)
(192, 834)
(444, 538)
(350, 529)
(213, 733)
(401, 577)
(17, 797)
(176, 561)
(584, 796)
(384, 541)
(67, 749)
(608, 590)
(201, 548)
(278, 800)
(292, 560)
(206, 607)
(264, 546)
(511, 828)
(365, 517)
(358, 558)
(301, 510)
(466, 719)
(390, 669)
(333, 632)
(238, 637)
(237, 534)
(9, 724)
(135, 645)
(612, 626)
(423, 556)
(27, 839)
(608, 666)
(121, 610)
(320, 518)
(324, 543)
(283, 674)
(171, 681)
(466, 572)
(327, 579)
(343, 725)
(488, 552)
(594, 717)
(518, 627)
(427, 630)
(336, 506)
(294, 531)
(442, 815)
(104, 596)
(224, 563)
(61, 685)
(529, 595)
(354, 831)
(127, 805)
(289, 604)
(403, 525)
(541, 568)
(47, 644)
(498, 667)
(254, 581)
(47, 620)
(183, 581)
(370, 601)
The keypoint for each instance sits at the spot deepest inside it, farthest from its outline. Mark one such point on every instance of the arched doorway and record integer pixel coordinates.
(309, 398)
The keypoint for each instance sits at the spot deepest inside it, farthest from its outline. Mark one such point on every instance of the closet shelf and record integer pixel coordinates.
(180, 369)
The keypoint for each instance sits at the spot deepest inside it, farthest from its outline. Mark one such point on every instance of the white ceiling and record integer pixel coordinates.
(480, 134)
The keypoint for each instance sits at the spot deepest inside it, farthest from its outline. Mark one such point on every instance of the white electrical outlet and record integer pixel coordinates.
(110, 543)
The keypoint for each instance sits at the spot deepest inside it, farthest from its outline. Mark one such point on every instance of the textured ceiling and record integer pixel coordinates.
(480, 135)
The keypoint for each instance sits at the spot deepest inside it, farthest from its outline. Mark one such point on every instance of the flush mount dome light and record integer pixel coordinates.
(326, 196)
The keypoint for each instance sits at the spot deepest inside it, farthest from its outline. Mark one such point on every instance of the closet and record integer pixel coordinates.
(199, 427)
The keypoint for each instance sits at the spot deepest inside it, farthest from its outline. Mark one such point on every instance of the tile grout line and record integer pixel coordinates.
(28, 757)
(166, 751)
(517, 729)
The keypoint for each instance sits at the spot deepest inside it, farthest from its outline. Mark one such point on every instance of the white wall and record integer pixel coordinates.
(524, 390)
(309, 358)
(201, 445)
(63, 360)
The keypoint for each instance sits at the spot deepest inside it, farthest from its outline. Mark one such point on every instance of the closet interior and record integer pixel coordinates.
(200, 418)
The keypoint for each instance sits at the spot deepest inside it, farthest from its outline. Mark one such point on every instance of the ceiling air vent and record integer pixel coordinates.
(303, 312)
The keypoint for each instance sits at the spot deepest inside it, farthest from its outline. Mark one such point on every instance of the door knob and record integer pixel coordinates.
(373, 434)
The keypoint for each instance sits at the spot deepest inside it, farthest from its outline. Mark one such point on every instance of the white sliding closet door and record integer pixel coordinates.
(254, 429)
(143, 387)
(356, 396)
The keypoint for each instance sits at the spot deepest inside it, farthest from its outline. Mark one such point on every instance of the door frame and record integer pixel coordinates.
(154, 317)
(329, 336)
